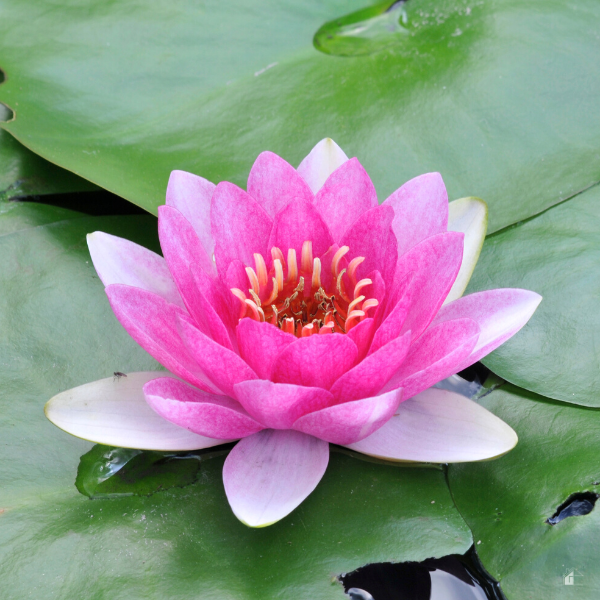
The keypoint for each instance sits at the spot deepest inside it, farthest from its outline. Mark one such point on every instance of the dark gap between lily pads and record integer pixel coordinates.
(433, 579)
(576, 505)
(97, 203)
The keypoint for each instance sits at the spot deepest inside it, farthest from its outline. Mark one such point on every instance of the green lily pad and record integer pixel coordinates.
(15, 216)
(557, 255)
(500, 97)
(57, 331)
(507, 502)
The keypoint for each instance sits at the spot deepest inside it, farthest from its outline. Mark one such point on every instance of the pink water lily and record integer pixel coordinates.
(296, 314)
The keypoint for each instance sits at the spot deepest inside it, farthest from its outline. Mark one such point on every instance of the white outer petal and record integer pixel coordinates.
(439, 426)
(468, 216)
(113, 411)
(320, 163)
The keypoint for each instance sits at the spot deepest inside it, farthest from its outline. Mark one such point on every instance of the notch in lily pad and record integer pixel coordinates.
(576, 505)
(365, 31)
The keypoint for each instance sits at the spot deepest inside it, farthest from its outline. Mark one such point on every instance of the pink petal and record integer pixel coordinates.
(239, 225)
(274, 183)
(352, 421)
(153, 323)
(369, 376)
(371, 236)
(435, 264)
(278, 405)
(499, 314)
(117, 260)
(268, 474)
(437, 354)
(421, 210)
(321, 162)
(191, 195)
(260, 344)
(213, 416)
(236, 276)
(298, 222)
(347, 194)
(224, 367)
(362, 335)
(315, 361)
(181, 248)
(393, 323)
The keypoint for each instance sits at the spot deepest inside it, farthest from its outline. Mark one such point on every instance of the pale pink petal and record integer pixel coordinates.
(320, 163)
(117, 260)
(210, 415)
(153, 323)
(278, 405)
(274, 183)
(224, 367)
(439, 426)
(236, 276)
(437, 354)
(421, 210)
(362, 335)
(435, 264)
(220, 297)
(239, 225)
(369, 376)
(371, 236)
(191, 195)
(260, 344)
(268, 474)
(347, 194)
(393, 323)
(499, 314)
(315, 361)
(352, 421)
(299, 222)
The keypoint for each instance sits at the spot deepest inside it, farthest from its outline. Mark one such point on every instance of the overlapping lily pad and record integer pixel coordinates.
(556, 254)
(498, 96)
(57, 331)
(507, 502)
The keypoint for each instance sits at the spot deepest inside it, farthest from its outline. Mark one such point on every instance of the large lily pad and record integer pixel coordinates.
(57, 331)
(507, 502)
(498, 96)
(557, 255)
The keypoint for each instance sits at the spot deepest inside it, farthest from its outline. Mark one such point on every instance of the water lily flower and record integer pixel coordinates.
(297, 314)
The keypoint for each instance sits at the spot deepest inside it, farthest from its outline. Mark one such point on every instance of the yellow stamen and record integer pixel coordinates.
(336, 259)
(307, 256)
(253, 278)
(292, 266)
(316, 276)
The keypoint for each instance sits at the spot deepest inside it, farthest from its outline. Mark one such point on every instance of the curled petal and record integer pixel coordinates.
(351, 421)
(213, 416)
(114, 412)
(439, 426)
(320, 163)
(268, 474)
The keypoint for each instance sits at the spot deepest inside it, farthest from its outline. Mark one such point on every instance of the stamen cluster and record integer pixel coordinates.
(294, 297)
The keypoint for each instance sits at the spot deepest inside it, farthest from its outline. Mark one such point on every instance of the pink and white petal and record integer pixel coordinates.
(117, 260)
(437, 354)
(268, 474)
(468, 216)
(182, 248)
(278, 405)
(369, 376)
(345, 196)
(260, 344)
(362, 336)
(320, 163)
(222, 366)
(435, 264)
(315, 361)
(421, 210)
(191, 196)
(371, 236)
(274, 183)
(114, 412)
(499, 313)
(218, 417)
(351, 421)
(153, 323)
(239, 225)
(298, 222)
(439, 426)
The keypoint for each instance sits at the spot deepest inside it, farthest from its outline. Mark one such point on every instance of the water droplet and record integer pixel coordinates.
(365, 31)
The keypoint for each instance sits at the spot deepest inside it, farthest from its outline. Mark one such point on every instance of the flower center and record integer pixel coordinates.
(299, 299)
